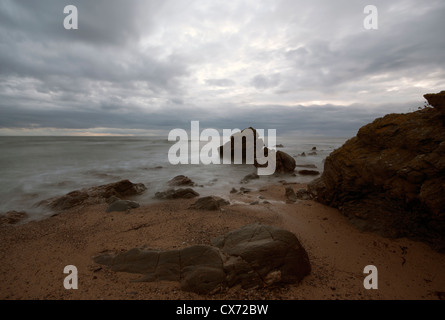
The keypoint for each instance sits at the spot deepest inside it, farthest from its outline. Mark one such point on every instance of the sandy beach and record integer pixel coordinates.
(34, 254)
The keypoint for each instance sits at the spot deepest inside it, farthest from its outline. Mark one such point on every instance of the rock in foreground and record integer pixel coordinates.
(390, 178)
(252, 256)
(12, 217)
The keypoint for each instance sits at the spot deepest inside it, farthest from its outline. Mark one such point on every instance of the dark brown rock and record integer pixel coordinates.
(94, 195)
(12, 217)
(227, 151)
(290, 194)
(181, 180)
(437, 100)
(284, 162)
(390, 178)
(265, 249)
(303, 194)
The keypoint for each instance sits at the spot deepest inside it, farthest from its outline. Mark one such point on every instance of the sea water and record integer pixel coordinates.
(37, 168)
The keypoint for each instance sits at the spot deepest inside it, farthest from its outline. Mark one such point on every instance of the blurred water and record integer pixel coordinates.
(36, 168)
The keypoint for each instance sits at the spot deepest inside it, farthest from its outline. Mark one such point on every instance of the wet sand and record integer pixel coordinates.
(34, 254)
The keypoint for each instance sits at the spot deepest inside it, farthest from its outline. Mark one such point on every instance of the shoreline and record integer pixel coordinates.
(35, 253)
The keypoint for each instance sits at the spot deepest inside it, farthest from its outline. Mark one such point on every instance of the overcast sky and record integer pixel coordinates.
(146, 67)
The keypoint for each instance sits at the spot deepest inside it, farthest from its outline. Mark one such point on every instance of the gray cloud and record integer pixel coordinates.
(220, 82)
(261, 81)
(306, 66)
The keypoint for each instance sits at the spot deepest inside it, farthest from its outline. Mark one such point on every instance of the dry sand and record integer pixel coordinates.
(33, 255)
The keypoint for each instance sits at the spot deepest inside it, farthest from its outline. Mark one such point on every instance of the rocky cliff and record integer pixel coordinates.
(390, 178)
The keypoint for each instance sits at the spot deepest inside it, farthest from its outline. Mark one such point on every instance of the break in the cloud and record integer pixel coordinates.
(146, 67)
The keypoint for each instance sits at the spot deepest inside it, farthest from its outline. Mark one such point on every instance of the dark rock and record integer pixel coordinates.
(314, 148)
(187, 193)
(209, 203)
(279, 146)
(249, 177)
(122, 205)
(312, 153)
(437, 100)
(253, 256)
(12, 217)
(248, 149)
(303, 154)
(309, 172)
(181, 180)
(244, 190)
(390, 178)
(266, 250)
(303, 194)
(233, 190)
(94, 195)
(284, 162)
(290, 194)
(254, 203)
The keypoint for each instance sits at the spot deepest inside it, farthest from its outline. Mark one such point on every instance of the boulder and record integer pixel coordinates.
(94, 195)
(267, 251)
(12, 217)
(284, 162)
(436, 100)
(249, 139)
(303, 194)
(181, 180)
(290, 194)
(209, 203)
(187, 193)
(252, 256)
(390, 178)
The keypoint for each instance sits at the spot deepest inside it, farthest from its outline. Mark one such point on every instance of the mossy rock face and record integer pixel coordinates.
(253, 256)
(390, 178)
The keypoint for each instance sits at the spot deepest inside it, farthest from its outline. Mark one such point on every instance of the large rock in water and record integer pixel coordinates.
(390, 178)
(284, 162)
(94, 195)
(252, 256)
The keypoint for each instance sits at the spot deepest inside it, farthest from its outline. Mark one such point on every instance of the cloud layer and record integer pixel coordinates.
(143, 67)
